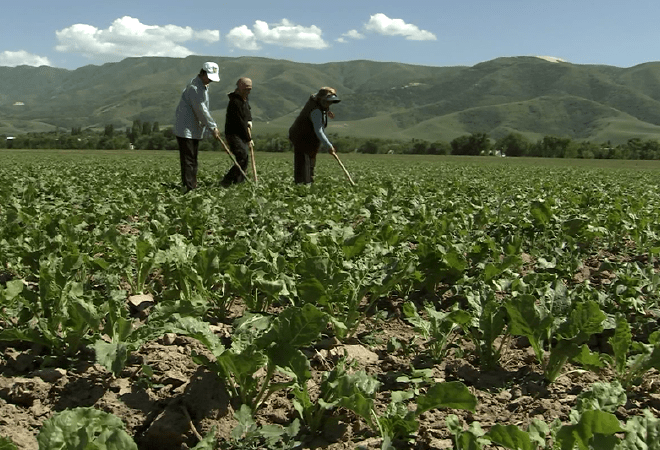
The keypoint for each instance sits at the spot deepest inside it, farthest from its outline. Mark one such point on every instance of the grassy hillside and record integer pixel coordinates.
(528, 95)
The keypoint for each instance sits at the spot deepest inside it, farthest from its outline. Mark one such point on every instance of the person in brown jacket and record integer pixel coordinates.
(308, 136)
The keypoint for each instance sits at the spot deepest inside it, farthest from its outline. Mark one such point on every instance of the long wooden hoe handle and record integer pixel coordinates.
(254, 163)
(348, 175)
(231, 155)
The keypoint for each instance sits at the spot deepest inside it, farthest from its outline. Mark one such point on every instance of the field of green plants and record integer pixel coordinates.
(442, 303)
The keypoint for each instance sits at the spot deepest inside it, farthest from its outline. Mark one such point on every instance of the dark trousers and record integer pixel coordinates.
(240, 149)
(303, 167)
(188, 150)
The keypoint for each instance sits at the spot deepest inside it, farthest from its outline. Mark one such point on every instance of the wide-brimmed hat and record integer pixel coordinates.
(328, 94)
(212, 71)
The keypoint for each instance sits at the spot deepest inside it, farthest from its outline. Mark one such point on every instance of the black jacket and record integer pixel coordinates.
(238, 116)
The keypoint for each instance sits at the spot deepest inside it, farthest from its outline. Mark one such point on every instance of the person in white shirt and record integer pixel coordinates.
(192, 119)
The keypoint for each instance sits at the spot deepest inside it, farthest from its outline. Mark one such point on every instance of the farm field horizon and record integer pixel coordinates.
(444, 302)
(220, 158)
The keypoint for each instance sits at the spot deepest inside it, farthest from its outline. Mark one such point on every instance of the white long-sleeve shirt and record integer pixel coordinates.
(192, 116)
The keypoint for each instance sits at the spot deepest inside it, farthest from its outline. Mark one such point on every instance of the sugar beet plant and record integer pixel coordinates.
(565, 256)
(270, 345)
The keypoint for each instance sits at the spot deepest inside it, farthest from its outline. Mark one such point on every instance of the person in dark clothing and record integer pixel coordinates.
(308, 136)
(238, 130)
(192, 119)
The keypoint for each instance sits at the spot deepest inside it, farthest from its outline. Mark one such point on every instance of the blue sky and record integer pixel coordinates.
(72, 33)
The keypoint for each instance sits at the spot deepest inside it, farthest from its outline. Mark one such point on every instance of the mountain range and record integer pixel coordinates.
(533, 96)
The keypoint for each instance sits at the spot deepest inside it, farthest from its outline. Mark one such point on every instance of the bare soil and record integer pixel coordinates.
(182, 400)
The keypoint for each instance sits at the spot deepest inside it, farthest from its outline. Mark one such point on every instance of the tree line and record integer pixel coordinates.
(144, 135)
(141, 136)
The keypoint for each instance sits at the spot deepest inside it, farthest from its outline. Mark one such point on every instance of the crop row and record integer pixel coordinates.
(563, 257)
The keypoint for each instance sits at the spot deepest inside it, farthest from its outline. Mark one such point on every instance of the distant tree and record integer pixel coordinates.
(571, 150)
(588, 150)
(156, 141)
(419, 147)
(474, 144)
(460, 145)
(633, 148)
(89, 141)
(21, 141)
(513, 144)
(270, 143)
(439, 148)
(106, 143)
(343, 144)
(109, 130)
(135, 131)
(71, 142)
(551, 147)
(155, 128)
(650, 150)
(142, 143)
(169, 133)
(120, 142)
(146, 128)
(277, 144)
(480, 143)
(612, 152)
(369, 147)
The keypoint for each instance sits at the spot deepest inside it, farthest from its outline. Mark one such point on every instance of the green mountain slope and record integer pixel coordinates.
(528, 95)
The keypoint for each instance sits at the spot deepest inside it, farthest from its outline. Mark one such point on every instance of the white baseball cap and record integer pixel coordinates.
(212, 71)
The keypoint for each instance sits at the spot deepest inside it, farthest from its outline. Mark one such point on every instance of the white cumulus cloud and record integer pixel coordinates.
(127, 36)
(382, 24)
(22, 58)
(284, 34)
(243, 38)
(351, 34)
